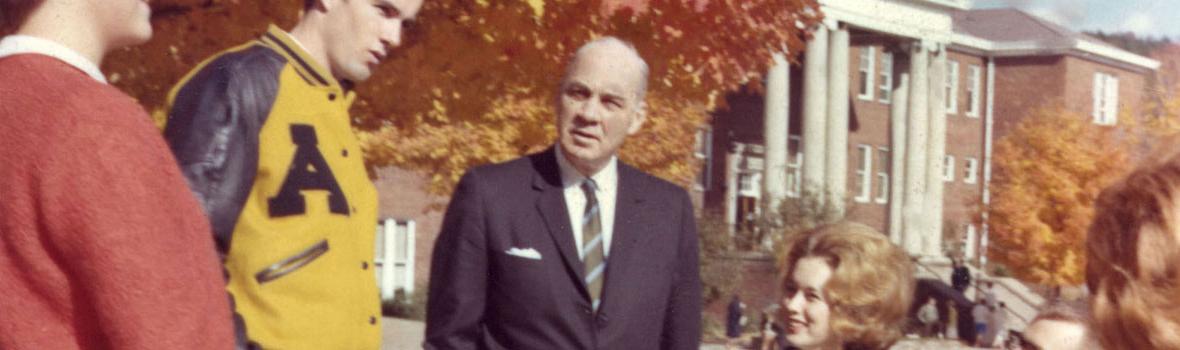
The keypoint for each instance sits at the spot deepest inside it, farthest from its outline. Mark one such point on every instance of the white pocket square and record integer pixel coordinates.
(528, 253)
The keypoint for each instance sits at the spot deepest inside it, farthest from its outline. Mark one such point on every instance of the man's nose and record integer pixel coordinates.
(392, 35)
(590, 111)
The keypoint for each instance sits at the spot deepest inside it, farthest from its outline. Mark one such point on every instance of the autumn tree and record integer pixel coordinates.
(1047, 172)
(474, 80)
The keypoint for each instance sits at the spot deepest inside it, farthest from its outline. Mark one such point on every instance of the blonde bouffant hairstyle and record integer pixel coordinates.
(872, 283)
(1133, 258)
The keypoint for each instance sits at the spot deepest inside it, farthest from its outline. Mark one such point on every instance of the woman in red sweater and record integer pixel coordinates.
(101, 244)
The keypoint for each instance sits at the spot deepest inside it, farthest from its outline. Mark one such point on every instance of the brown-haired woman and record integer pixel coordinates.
(845, 287)
(1133, 253)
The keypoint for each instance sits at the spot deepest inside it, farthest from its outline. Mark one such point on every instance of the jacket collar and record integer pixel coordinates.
(306, 66)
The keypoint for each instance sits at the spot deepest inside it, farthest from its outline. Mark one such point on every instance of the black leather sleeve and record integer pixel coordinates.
(212, 129)
(213, 126)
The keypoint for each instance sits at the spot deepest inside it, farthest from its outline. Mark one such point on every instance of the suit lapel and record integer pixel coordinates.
(628, 233)
(551, 204)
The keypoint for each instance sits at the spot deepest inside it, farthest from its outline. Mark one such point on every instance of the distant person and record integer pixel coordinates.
(846, 286)
(733, 321)
(770, 334)
(989, 293)
(1132, 253)
(951, 327)
(101, 244)
(1060, 326)
(981, 315)
(997, 327)
(960, 276)
(928, 317)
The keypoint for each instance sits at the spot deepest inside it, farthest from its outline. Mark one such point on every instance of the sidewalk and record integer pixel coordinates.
(399, 334)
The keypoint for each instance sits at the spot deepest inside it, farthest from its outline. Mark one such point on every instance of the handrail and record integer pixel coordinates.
(974, 284)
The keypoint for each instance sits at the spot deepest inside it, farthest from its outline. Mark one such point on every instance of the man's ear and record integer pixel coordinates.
(640, 116)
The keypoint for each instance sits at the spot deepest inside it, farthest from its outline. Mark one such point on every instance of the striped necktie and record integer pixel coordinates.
(593, 255)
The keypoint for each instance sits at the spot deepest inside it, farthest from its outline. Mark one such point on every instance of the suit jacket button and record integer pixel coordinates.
(372, 320)
(364, 265)
(331, 97)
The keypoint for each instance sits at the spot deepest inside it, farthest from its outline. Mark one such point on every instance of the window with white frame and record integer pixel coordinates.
(973, 83)
(865, 91)
(394, 257)
(864, 174)
(970, 168)
(885, 90)
(882, 175)
(948, 168)
(703, 150)
(952, 87)
(1106, 99)
(794, 167)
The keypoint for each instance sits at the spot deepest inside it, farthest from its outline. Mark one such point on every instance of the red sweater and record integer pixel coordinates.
(102, 246)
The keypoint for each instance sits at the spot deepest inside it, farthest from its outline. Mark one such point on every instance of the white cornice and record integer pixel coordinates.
(1070, 46)
(906, 18)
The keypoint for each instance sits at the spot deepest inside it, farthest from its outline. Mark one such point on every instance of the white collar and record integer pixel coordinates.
(605, 179)
(22, 44)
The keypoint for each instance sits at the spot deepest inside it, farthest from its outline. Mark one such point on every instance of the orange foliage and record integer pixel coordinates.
(473, 81)
(1047, 173)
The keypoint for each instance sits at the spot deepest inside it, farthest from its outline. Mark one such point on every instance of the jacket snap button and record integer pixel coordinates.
(364, 265)
(331, 97)
(372, 320)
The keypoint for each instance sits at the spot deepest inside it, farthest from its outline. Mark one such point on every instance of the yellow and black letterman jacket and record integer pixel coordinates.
(263, 135)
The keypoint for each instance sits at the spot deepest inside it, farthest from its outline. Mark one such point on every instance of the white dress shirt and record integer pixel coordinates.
(23, 44)
(607, 180)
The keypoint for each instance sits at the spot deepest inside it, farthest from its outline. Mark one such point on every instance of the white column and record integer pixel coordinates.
(897, 132)
(733, 158)
(815, 103)
(775, 132)
(916, 137)
(935, 153)
(987, 154)
(836, 169)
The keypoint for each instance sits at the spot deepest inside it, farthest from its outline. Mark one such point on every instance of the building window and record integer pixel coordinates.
(865, 91)
(952, 87)
(970, 169)
(886, 87)
(1106, 99)
(794, 167)
(882, 175)
(394, 257)
(948, 168)
(750, 184)
(973, 74)
(864, 174)
(703, 150)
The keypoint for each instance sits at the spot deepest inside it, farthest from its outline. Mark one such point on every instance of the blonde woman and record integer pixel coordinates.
(845, 287)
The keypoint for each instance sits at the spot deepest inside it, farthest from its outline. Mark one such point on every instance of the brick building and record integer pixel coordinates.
(931, 76)
(885, 89)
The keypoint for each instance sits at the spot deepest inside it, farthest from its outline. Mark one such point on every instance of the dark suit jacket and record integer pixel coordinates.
(483, 298)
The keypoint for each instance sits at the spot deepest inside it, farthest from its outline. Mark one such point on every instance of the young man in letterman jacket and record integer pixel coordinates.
(262, 133)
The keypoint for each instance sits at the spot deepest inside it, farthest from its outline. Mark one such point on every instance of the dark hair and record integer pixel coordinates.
(13, 13)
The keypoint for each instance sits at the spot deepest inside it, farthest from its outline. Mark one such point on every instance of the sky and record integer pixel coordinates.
(1143, 17)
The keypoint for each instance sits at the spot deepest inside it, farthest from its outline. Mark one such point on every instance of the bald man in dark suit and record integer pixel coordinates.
(570, 248)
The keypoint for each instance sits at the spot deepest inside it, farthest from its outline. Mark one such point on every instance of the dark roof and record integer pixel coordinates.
(1010, 24)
